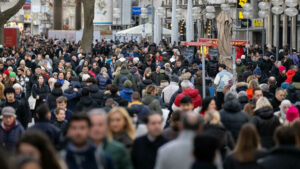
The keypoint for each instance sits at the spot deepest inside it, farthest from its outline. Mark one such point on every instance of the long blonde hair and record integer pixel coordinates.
(118, 69)
(104, 72)
(248, 142)
(128, 128)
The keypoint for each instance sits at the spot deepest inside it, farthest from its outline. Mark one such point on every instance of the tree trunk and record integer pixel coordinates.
(58, 14)
(6, 15)
(1, 33)
(88, 30)
(78, 15)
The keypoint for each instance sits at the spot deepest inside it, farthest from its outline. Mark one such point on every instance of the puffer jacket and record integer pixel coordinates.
(10, 138)
(233, 117)
(266, 123)
(126, 94)
(86, 103)
(194, 94)
(152, 102)
(96, 94)
(103, 81)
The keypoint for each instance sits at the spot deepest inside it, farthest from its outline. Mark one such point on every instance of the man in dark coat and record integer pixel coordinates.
(10, 128)
(137, 107)
(80, 153)
(145, 147)
(280, 95)
(43, 124)
(22, 111)
(285, 154)
(85, 103)
(96, 94)
(232, 115)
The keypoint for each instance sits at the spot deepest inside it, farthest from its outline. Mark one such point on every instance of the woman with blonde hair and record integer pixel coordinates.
(103, 79)
(120, 127)
(253, 84)
(214, 127)
(265, 121)
(118, 69)
(246, 151)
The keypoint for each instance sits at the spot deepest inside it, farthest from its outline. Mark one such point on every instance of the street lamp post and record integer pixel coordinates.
(263, 13)
(210, 14)
(291, 11)
(247, 13)
(277, 10)
(144, 16)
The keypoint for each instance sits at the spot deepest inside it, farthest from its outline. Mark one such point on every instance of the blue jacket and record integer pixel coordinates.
(126, 94)
(9, 139)
(54, 133)
(140, 110)
(103, 81)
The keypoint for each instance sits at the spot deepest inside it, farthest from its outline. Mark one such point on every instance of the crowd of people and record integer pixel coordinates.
(62, 108)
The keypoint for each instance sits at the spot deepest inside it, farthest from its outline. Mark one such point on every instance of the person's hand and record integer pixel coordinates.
(44, 100)
(37, 97)
(75, 89)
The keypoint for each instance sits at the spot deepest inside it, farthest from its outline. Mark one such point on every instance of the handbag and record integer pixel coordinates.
(32, 102)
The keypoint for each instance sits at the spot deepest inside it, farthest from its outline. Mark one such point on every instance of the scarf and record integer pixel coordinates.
(61, 81)
(10, 127)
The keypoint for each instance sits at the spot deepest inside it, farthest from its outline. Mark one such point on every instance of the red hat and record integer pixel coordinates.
(6, 72)
(281, 68)
(292, 114)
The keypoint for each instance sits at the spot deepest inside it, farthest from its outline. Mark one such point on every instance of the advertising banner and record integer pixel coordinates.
(103, 12)
(10, 37)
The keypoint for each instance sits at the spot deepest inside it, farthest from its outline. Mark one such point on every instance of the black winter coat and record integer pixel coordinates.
(86, 103)
(96, 94)
(266, 123)
(282, 157)
(51, 100)
(42, 92)
(50, 130)
(231, 163)
(224, 137)
(22, 111)
(144, 152)
(233, 117)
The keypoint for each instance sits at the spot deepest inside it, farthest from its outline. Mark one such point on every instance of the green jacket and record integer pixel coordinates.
(118, 153)
(240, 69)
(152, 102)
(118, 79)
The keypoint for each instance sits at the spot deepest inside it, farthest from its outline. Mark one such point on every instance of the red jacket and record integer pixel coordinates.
(290, 74)
(193, 93)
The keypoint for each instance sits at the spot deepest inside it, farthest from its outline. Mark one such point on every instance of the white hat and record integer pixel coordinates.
(18, 86)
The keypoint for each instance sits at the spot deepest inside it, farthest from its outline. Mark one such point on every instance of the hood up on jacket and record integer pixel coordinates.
(232, 106)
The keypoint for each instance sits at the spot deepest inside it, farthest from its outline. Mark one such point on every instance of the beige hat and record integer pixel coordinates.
(8, 111)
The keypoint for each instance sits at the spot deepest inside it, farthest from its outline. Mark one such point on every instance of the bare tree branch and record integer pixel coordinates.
(6, 15)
